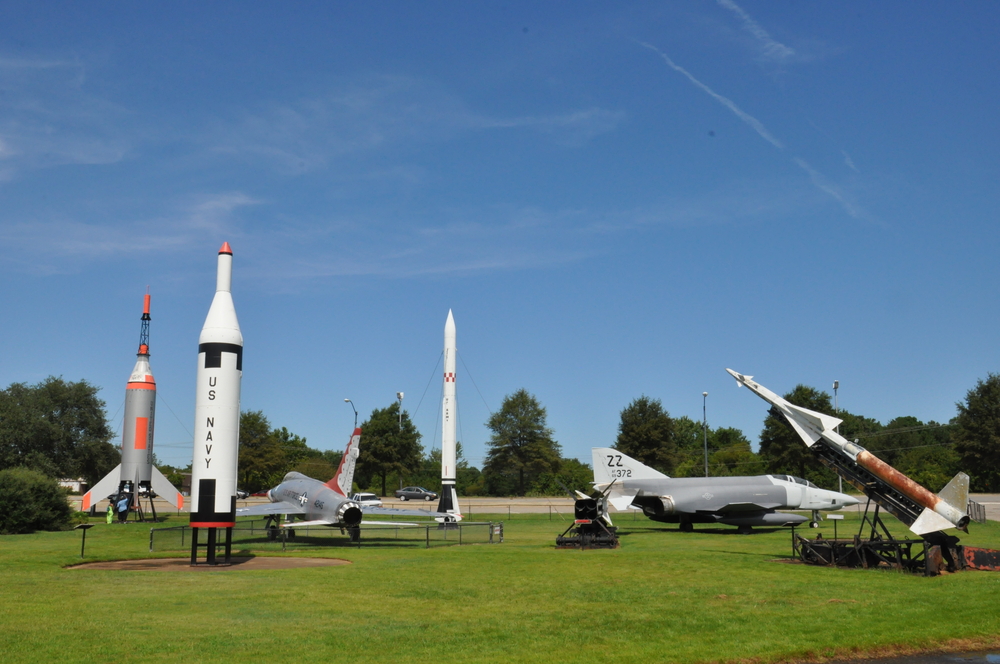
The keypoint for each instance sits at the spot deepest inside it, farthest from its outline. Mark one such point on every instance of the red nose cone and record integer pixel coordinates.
(225, 249)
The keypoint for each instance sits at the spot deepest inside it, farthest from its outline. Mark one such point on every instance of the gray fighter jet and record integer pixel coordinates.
(734, 501)
(325, 503)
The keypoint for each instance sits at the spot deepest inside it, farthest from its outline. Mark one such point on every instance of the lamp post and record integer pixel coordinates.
(836, 409)
(355, 412)
(399, 395)
(704, 426)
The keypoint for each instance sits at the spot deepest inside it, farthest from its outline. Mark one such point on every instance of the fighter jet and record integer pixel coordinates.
(324, 503)
(733, 501)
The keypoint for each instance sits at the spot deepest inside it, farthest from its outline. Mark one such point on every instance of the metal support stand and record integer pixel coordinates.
(211, 557)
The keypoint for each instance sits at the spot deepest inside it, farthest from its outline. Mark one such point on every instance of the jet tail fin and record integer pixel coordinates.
(610, 465)
(108, 485)
(955, 494)
(344, 479)
(164, 489)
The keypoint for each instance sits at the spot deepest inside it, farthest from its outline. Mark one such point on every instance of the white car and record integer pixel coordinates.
(367, 499)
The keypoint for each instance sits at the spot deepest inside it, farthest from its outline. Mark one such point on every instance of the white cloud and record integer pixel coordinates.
(382, 112)
(48, 118)
(61, 245)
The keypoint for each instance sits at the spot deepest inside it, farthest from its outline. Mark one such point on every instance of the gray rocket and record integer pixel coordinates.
(136, 475)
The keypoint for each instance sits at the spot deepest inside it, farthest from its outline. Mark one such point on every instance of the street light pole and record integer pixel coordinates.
(836, 409)
(399, 395)
(355, 412)
(704, 426)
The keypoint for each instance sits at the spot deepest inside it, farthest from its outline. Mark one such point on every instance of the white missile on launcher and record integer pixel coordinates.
(947, 510)
(449, 413)
(136, 475)
(217, 415)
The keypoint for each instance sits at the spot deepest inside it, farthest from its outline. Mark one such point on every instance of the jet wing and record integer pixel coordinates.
(269, 509)
(380, 524)
(739, 508)
(391, 511)
(300, 524)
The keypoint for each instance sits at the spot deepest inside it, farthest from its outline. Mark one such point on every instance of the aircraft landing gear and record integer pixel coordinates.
(744, 530)
(815, 520)
(271, 526)
(686, 527)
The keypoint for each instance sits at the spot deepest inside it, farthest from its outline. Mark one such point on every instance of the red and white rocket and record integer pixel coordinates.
(217, 407)
(449, 414)
(136, 475)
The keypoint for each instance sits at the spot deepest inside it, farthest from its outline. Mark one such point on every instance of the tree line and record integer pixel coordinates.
(60, 430)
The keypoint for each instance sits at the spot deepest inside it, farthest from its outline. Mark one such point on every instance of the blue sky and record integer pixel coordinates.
(615, 200)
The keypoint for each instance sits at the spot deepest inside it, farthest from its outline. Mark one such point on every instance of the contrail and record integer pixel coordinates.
(820, 182)
(817, 178)
(772, 49)
(747, 118)
(849, 161)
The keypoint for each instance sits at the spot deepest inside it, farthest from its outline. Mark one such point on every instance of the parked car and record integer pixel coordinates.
(416, 493)
(367, 499)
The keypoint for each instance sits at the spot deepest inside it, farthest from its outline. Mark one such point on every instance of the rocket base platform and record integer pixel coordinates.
(932, 555)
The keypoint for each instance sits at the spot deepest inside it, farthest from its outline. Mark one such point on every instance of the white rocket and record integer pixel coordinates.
(449, 413)
(217, 407)
(949, 509)
(136, 474)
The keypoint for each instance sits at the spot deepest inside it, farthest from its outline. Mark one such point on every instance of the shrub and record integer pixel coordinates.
(31, 501)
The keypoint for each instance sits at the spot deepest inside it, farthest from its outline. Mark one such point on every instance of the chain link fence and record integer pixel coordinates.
(256, 535)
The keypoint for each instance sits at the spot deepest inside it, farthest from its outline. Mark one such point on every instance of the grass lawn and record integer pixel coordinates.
(663, 596)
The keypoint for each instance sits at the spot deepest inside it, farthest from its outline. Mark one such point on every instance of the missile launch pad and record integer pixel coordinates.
(925, 513)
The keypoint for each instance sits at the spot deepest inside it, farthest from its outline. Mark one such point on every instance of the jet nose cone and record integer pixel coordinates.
(850, 500)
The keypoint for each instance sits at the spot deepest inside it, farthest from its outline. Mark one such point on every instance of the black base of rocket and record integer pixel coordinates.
(207, 519)
(449, 498)
(211, 547)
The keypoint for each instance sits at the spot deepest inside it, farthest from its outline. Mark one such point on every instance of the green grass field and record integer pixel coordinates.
(664, 596)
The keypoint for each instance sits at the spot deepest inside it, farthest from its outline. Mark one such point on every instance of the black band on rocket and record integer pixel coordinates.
(213, 354)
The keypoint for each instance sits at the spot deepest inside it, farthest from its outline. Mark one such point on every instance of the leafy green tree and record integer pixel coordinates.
(921, 451)
(646, 433)
(56, 427)
(688, 438)
(388, 447)
(573, 474)
(31, 501)
(782, 449)
(733, 455)
(316, 467)
(267, 454)
(429, 473)
(262, 461)
(977, 433)
(521, 446)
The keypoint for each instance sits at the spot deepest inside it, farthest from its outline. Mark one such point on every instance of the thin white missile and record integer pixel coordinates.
(217, 410)
(136, 475)
(947, 510)
(449, 413)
